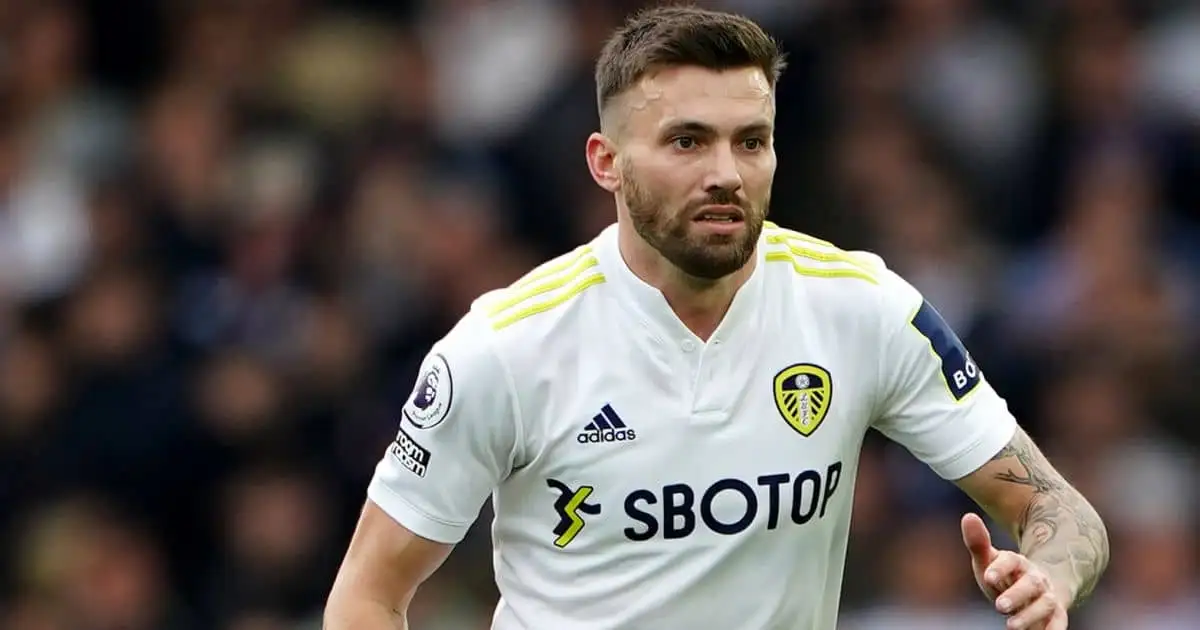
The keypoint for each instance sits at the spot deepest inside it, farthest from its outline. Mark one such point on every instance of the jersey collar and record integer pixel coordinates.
(651, 307)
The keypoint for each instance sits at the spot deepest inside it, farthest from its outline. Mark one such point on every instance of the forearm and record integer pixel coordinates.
(1062, 532)
(357, 603)
(363, 615)
(1057, 528)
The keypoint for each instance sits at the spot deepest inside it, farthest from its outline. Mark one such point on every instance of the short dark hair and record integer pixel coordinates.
(679, 35)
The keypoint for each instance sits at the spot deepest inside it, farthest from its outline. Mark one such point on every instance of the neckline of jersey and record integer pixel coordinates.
(652, 308)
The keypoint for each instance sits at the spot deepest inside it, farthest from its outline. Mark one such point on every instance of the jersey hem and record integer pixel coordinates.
(412, 518)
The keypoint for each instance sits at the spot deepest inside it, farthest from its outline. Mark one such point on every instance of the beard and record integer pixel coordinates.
(670, 231)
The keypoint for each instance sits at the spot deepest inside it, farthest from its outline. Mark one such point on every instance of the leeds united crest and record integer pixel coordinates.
(802, 395)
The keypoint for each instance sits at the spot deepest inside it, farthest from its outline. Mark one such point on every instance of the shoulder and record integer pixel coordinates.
(461, 370)
(810, 257)
(542, 298)
(496, 347)
(835, 279)
(507, 326)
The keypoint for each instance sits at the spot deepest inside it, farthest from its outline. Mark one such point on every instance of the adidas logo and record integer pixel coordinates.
(606, 426)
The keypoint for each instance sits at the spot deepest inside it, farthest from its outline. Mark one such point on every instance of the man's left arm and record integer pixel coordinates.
(1055, 527)
(934, 400)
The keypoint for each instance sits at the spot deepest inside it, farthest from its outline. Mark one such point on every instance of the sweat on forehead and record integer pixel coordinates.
(693, 81)
(695, 92)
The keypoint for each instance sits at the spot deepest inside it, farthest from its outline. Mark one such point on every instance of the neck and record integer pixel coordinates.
(700, 303)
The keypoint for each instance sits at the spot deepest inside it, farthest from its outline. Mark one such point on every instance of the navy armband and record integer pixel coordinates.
(959, 371)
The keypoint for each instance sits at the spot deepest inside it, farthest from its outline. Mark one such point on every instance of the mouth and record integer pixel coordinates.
(721, 214)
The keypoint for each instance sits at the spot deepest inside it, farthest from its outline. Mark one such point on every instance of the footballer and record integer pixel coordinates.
(669, 418)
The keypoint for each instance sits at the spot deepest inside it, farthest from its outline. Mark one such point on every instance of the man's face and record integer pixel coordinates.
(696, 165)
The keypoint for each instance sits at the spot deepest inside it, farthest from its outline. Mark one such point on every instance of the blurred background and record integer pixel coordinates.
(229, 230)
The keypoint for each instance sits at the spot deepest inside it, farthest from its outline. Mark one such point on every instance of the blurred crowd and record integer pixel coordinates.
(229, 230)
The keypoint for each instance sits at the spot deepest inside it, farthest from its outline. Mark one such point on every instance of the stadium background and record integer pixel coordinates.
(230, 228)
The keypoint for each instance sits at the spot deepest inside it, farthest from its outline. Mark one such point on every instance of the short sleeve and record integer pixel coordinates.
(935, 400)
(456, 438)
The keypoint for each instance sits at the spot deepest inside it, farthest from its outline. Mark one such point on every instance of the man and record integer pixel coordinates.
(669, 419)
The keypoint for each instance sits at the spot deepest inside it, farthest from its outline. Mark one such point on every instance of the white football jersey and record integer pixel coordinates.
(645, 478)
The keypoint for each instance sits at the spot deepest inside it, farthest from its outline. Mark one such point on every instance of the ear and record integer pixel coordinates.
(602, 162)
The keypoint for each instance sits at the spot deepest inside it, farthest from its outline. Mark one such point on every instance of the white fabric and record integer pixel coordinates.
(706, 508)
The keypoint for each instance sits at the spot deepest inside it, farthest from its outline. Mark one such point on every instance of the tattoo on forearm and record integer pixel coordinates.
(1058, 528)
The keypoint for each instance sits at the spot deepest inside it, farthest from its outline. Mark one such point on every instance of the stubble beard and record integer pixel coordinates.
(671, 233)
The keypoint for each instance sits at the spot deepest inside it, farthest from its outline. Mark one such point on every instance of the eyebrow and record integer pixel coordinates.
(698, 128)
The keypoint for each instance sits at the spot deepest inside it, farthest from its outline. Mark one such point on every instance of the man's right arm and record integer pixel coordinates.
(457, 439)
(383, 567)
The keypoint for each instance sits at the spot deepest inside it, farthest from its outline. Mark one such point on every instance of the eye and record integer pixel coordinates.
(753, 144)
(684, 143)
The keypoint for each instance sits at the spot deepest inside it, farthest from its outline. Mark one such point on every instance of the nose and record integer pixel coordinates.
(724, 174)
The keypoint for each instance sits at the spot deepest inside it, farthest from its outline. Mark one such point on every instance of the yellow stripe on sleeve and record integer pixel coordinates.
(826, 257)
(820, 272)
(774, 230)
(522, 291)
(541, 307)
(557, 265)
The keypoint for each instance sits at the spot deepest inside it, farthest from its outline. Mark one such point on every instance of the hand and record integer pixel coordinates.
(1020, 588)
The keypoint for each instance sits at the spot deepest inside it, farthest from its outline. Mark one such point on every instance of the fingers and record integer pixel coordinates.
(1004, 571)
(1025, 591)
(1022, 591)
(1026, 594)
(1044, 612)
(1058, 622)
(977, 538)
